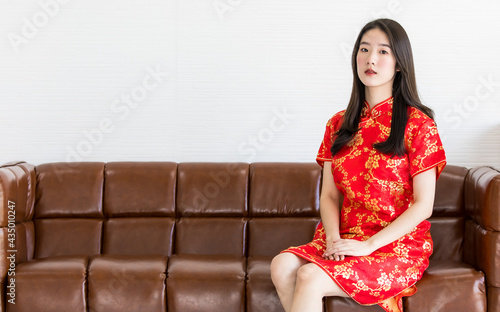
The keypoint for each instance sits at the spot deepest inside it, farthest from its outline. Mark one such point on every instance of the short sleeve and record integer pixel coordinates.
(324, 153)
(426, 150)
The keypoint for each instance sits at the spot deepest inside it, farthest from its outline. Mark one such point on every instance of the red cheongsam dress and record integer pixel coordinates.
(377, 189)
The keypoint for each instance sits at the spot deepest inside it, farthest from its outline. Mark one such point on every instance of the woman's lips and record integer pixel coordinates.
(370, 72)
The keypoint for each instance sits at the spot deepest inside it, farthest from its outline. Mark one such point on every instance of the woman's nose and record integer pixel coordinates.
(372, 59)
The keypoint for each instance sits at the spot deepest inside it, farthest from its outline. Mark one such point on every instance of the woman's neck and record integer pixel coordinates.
(376, 95)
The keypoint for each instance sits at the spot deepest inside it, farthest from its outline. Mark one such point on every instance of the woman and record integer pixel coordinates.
(382, 155)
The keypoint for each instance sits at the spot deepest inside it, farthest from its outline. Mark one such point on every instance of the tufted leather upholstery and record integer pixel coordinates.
(162, 236)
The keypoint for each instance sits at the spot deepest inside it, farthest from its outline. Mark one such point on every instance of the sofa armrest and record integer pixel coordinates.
(482, 227)
(17, 240)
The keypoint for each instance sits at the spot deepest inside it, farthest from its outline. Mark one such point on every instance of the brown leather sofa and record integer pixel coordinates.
(162, 236)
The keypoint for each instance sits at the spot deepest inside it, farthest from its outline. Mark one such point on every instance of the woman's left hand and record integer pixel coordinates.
(351, 247)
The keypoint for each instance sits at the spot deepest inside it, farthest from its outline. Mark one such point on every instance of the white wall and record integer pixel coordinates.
(227, 80)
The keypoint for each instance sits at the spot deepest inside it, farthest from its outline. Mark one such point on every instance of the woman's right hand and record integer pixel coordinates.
(328, 254)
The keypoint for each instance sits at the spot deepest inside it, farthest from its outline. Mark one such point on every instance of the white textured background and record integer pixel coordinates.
(236, 80)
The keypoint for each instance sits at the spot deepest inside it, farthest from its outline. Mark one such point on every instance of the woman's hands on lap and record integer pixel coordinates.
(337, 249)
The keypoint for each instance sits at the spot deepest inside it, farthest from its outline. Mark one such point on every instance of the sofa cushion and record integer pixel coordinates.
(284, 189)
(269, 236)
(211, 236)
(138, 236)
(336, 304)
(212, 189)
(449, 198)
(206, 283)
(127, 283)
(69, 190)
(145, 189)
(448, 286)
(67, 236)
(37, 281)
(493, 296)
(261, 293)
(448, 237)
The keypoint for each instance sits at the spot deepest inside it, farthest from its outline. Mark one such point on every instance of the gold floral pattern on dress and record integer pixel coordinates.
(377, 188)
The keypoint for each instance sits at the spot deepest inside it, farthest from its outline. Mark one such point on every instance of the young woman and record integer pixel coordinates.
(381, 158)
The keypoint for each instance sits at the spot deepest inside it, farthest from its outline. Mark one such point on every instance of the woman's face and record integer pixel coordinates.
(375, 60)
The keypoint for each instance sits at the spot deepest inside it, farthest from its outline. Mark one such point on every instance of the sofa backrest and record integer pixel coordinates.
(259, 209)
(139, 208)
(448, 217)
(69, 216)
(284, 206)
(212, 208)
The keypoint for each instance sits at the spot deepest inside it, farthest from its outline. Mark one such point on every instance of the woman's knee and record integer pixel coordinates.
(279, 264)
(284, 266)
(307, 273)
(311, 278)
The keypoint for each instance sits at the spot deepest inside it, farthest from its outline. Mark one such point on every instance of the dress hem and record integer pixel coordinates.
(336, 282)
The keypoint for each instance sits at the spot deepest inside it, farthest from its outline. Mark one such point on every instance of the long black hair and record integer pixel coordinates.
(404, 91)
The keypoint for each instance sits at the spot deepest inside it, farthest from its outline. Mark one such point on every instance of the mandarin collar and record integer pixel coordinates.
(377, 110)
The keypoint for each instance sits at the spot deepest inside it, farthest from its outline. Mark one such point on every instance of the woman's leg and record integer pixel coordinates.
(311, 286)
(284, 274)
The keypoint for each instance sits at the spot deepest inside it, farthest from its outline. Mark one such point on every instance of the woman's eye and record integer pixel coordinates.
(364, 50)
(384, 52)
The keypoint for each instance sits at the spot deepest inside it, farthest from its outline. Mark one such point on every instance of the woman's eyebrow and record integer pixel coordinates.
(381, 44)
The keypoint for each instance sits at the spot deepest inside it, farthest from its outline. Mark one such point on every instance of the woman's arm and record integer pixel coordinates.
(424, 185)
(329, 207)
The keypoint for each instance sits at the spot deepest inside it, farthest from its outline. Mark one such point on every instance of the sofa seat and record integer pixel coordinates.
(206, 283)
(37, 281)
(464, 287)
(127, 283)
